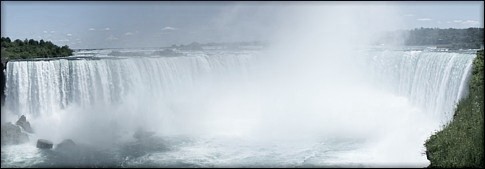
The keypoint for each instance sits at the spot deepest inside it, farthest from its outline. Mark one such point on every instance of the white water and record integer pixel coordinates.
(433, 81)
(222, 108)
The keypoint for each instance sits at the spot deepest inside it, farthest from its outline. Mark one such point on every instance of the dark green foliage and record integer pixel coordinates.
(471, 38)
(460, 143)
(26, 49)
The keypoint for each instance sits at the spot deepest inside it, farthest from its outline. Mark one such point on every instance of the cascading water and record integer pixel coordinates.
(234, 119)
(39, 87)
(138, 87)
(434, 81)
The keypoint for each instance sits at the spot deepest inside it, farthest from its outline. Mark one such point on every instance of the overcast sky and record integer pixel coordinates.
(92, 24)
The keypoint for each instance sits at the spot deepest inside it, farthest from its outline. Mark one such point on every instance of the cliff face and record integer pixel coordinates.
(3, 82)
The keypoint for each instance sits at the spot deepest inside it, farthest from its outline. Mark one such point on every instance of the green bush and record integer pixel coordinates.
(27, 49)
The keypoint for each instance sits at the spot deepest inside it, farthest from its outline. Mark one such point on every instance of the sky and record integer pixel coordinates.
(92, 24)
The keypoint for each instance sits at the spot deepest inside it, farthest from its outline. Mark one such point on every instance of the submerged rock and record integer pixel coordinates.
(22, 122)
(66, 144)
(44, 144)
(142, 134)
(12, 134)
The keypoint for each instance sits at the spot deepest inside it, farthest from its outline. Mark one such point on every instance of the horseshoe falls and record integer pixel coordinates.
(224, 109)
(434, 81)
(38, 87)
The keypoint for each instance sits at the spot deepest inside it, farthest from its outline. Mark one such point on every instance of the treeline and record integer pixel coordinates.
(471, 38)
(460, 143)
(27, 49)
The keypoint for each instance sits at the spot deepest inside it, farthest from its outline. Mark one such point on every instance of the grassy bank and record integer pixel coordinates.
(460, 143)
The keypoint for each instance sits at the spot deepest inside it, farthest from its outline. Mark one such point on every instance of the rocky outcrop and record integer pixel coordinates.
(12, 134)
(44, 144)
(66, 144)
(2, 79)
(22, 122)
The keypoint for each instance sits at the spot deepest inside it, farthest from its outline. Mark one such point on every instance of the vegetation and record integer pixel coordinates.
(460, 143)
(471, 38)
(27, 49)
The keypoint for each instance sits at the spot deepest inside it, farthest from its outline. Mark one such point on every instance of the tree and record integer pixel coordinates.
(33, 42)
(450, 38)
(31, 49)
(18, 42)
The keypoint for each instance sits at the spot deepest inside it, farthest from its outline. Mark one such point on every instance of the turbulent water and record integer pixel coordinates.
(208, 110)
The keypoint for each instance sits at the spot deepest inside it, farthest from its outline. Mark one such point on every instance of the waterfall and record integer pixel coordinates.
(404, 96)
(39, 87)
(434, 81)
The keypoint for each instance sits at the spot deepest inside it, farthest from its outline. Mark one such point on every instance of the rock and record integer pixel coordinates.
(66, 144)
(12, 134)
(22, 122)
(44, 144)
(2, 80)
(142, 134)
(428, 155)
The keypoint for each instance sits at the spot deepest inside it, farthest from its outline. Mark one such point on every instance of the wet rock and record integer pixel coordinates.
(2, 80)
(12, 134)
(22, 122)
(428, 155)
(66, 144)
(44, 144)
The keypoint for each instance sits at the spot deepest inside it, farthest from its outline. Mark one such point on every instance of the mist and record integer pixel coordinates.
(311, 84)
